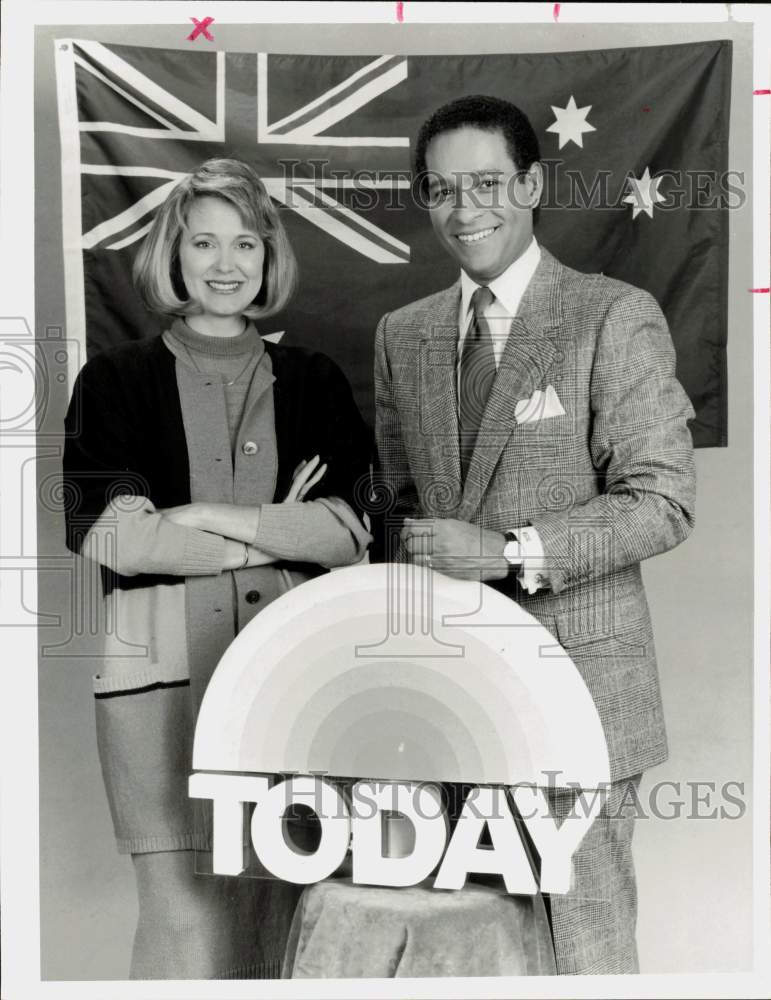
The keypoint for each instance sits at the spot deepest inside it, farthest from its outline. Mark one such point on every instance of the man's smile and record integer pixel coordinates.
(481, 234)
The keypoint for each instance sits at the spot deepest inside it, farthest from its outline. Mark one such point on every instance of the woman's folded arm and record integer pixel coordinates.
(324, 531)
(131, 537)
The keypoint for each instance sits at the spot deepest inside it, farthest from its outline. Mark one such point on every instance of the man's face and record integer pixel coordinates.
(481, 206)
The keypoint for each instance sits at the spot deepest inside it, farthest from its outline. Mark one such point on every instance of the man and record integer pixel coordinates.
(533, 434)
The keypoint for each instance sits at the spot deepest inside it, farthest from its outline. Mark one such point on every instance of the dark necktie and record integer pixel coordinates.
(477, 374)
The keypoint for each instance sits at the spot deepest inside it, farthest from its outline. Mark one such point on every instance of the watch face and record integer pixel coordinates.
(511, 553)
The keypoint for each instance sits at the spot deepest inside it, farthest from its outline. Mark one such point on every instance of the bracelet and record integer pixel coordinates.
(246, 556)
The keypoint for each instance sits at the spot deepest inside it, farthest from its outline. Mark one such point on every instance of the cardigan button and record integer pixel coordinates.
(252, 596)
(250, 447)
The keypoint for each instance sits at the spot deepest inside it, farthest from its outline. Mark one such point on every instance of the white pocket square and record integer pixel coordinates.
(544, 403)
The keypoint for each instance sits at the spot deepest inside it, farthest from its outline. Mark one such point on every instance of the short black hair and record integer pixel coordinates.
(491, 114)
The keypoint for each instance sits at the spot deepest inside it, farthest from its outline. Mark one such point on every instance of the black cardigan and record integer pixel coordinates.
(124, 434)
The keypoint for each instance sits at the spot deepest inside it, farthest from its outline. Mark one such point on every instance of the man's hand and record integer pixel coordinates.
(455, 548)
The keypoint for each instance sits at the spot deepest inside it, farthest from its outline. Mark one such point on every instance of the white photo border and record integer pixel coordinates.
(18, 729)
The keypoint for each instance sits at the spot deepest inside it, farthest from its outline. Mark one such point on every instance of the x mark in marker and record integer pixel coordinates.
(200, 29)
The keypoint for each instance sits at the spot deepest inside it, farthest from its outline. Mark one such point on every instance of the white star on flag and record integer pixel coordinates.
(571, 123)
(644, 194)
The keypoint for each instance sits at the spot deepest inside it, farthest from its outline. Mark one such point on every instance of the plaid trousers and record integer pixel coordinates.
(593, 925)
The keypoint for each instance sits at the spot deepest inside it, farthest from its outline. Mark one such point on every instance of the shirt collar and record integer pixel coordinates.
(509, 287)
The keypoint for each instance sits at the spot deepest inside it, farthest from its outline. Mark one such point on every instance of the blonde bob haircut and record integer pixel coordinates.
(157, 272)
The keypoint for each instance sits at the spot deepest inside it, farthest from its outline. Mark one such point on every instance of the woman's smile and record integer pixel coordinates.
(224, 287)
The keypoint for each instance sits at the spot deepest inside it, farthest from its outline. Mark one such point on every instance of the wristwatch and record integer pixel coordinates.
(511, 550)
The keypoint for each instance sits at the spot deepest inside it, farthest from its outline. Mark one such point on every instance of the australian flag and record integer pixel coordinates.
(634, 145)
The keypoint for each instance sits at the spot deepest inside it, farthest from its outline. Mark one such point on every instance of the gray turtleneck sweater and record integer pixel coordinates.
(232, 359)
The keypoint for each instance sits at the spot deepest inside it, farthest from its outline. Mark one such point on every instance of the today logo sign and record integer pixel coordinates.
(359, 825)
(460, 686)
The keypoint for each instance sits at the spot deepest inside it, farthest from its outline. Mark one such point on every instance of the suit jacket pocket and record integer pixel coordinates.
(601, 631)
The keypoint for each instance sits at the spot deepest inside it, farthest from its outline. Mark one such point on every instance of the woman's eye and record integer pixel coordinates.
(489, 182)
(202, 244)
(246, 245)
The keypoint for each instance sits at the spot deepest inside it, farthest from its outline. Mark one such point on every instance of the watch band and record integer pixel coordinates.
(511, 550)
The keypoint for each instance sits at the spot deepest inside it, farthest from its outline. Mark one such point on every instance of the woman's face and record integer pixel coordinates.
(221, 259)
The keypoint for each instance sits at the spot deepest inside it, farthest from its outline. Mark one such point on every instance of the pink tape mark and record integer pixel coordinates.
(200, 29)
(757, 93)
(400, 12)
(760, 290)
(556, 12)
(646, 108)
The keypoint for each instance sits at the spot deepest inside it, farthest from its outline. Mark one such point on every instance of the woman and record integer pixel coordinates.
(208, 472)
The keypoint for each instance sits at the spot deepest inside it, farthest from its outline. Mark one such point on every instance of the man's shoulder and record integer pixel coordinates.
(424, 310)
(594, 305)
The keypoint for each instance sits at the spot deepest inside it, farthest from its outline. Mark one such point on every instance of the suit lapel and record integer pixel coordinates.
(438, 401)
(526, 360)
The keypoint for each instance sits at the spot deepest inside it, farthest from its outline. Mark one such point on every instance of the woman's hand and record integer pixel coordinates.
(189, 515)
(304, 478)
(226, 519)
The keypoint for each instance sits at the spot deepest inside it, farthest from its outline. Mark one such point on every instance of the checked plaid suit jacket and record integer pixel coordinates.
(608, 483)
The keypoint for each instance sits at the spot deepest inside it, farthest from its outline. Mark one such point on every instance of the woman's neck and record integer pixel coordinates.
(248, 342)
(217, 326)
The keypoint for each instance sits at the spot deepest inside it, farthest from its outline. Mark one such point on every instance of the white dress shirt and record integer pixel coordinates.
(508, 289)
